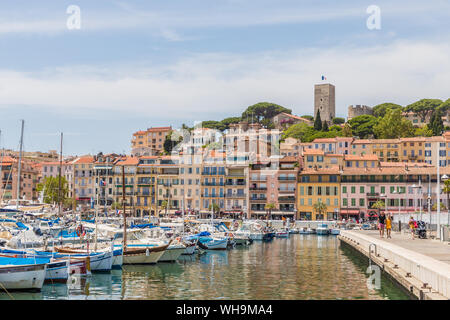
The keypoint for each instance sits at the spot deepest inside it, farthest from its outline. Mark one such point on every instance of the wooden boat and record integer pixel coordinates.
(143, 254)
(213, 244)
(21, 274)
(98, 261)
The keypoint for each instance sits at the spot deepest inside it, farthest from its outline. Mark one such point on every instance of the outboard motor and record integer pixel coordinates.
(37, 231)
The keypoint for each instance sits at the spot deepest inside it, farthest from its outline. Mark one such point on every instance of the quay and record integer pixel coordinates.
(421, 266)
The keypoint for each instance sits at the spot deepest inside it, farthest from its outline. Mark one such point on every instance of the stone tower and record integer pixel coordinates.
(358, 110)
(324, 101)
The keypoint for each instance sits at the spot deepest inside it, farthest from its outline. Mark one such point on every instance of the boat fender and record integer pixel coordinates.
(147, 253)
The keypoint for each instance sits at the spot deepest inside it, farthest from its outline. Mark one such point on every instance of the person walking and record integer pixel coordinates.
(388, 225)
(412, 226)
(381, 223)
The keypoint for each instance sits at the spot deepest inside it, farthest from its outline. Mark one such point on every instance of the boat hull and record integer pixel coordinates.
(25, 277)
(171, 255)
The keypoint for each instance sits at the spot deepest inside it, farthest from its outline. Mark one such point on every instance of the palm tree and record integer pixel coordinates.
(269, 207)
(378, 205)
(165, 205)
(446, 189)
(320, 207)
(214, 207)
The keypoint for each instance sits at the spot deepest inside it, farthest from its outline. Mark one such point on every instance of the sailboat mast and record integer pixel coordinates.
(19, 171)
(96, 210)
(123, 205)
(59, 178)
(1, 166)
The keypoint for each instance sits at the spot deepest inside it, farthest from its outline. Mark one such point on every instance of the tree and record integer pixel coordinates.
(213, 124)
(335, 128)
(318, 122)
(362, 126)
(393, 126)
(325, 126)
(436, 123)
(320, 208)
(434, 207)
(379, 204)
(170, 143)
(269, 207)
(424, 131)
(308, 117)
(380, 110)
(165, 205)
(227, 121)
(214, 207)
(263, 112)
(50, 187)
(347, 130)
(423, 107)
(298, 130)
(444, 106)
(338, 120)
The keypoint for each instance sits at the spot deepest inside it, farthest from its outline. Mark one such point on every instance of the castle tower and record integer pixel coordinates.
(324, 101)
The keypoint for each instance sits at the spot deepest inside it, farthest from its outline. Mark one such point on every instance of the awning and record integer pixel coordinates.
(348, 211)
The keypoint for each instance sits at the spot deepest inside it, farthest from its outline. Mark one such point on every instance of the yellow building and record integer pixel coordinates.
(318, 186)
(413, 149)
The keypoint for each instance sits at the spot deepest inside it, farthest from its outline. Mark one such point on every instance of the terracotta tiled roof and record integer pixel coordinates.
(312, 151)
(331, 170)
(369, 157)
(289, 159)
(84, 160)
(295, 117)
(128, 161)
(157, 129)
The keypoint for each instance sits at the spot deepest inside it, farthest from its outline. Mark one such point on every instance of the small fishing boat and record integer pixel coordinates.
(143, 254)
(22, 273)
(335, 231)
(322, 229)
(306, 230)
(190, 246)
(173, 252)
(213, 243)
(282, 234)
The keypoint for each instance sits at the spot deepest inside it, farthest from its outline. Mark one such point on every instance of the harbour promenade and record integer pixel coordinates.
(421, 266)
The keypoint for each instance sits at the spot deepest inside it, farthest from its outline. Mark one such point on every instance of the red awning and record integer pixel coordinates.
(353, 212)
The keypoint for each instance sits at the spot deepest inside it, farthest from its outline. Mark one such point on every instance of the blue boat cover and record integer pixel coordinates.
(21, 226)
(66, 234)
(142, 226)
(22, 261)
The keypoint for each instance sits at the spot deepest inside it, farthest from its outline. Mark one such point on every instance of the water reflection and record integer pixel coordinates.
(300, 267)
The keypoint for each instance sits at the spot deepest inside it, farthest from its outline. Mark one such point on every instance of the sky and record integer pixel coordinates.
(136, 64)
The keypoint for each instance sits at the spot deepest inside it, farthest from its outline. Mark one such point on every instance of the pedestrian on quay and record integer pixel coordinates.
(381, 224)
(388, 225)
(412, 226)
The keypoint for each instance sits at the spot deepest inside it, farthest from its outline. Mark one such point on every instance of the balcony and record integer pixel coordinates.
(236, 195)
(258, 179)
(213, 196)
(258, 189)
(213, 184)
(264, 199)
(287, 178)
(286, 190)
(286, 199)
(236, 184)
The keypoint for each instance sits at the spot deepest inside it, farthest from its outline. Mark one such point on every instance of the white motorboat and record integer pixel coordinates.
(322, 229)
(282, 234)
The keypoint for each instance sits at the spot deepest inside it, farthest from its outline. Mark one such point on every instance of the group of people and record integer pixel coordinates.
(386, 222)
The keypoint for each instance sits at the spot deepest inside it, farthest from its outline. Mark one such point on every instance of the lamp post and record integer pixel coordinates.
(444, 179)
(419, 187)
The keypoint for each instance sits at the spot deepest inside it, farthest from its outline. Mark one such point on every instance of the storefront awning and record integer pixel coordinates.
(348, 211)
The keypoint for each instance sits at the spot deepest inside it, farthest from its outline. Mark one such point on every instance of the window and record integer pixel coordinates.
(344, 189)
(361, 189)
(361, 202)
(353, 190)
(344, 202)
(353, 202)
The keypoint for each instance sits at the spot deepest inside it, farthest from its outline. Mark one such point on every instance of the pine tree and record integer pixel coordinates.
(436, 124)
(325, 126)
(318, 122)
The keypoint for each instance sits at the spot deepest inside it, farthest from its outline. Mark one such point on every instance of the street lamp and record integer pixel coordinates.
(445, 178)
(415, 199)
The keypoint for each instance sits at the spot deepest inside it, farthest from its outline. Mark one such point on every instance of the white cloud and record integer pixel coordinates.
(207, 86)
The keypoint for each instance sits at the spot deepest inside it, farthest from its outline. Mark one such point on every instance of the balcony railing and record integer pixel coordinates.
(258, 188)
(236, 195)
(286, 190)
(287, 178)
(258, 199)
(213, 184)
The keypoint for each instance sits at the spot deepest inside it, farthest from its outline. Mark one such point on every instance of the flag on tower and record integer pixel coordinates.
(324, 78)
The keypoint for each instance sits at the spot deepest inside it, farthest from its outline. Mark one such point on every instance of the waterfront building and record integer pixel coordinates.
(125, 169)
(146, 186)
(403, 187)
(9, 179)
(104, 176)
(318, 185)
(83, 180)
(168, 197)
(236, 185)
(213, 181)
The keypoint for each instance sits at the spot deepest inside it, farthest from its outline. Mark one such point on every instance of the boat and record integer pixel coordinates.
(190, 246)
(322, 229)
(213, 243)
(22, 273)
(242, 240)
(98, 261)
(143, 254)
(335, 231)
(173, 252)
(306, 230)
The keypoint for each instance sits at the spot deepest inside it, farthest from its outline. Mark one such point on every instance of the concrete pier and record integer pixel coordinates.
(422, 266)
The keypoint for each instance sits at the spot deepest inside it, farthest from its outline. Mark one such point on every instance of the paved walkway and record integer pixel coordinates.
(432, 248)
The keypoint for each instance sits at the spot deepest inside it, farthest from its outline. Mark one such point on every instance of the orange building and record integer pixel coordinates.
(149, 142)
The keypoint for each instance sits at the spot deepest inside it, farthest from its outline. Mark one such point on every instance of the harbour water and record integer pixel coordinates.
(299, 267)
